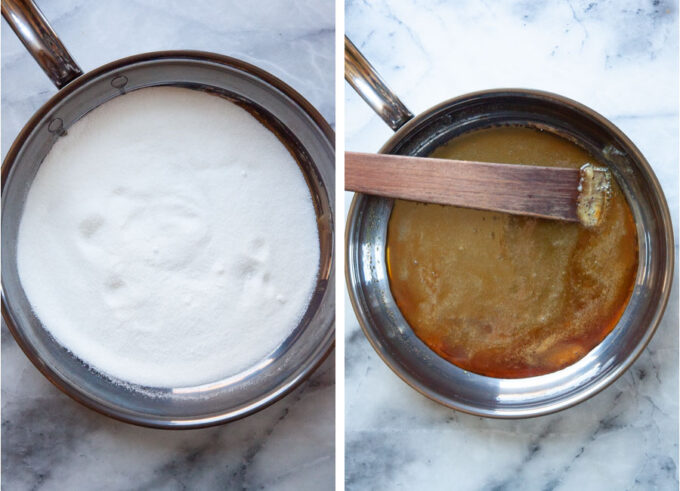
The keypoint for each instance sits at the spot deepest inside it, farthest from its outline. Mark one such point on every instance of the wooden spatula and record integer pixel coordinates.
(576, 195)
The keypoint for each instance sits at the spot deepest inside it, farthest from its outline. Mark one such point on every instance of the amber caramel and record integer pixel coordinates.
(508, 296)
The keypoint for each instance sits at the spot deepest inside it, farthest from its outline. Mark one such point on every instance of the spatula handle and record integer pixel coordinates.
(548, 192)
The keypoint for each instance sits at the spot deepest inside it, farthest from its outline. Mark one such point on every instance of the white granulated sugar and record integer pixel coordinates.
(169, 239)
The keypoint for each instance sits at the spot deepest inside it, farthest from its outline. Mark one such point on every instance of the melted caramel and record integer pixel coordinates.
(508, 296)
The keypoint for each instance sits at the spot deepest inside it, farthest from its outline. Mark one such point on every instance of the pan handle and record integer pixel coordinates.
(31, 27)
(368, 84)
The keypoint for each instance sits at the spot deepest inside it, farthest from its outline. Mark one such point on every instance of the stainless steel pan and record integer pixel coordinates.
(297, 124)
(366, 273)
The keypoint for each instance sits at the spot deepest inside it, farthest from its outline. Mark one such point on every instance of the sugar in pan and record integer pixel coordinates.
(169, 239)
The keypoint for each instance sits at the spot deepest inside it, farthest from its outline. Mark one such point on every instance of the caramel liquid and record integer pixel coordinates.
(508, 296)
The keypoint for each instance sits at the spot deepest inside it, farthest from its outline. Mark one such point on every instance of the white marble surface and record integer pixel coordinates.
(621, 59)
(51, 442)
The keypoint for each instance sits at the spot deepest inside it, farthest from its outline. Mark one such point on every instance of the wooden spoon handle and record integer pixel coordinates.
(547, 192)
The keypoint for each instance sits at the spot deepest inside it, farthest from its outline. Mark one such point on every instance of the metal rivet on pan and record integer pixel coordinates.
(56, 126)
(119, 82)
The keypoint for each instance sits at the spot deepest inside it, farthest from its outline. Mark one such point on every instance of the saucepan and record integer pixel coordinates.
(295, 122)
(366, 232)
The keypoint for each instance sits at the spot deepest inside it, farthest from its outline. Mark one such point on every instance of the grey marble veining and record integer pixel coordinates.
(621, 59)
(51, 442)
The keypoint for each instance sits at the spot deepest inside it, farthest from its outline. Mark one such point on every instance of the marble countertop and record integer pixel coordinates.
(51, 442)
(618, 57)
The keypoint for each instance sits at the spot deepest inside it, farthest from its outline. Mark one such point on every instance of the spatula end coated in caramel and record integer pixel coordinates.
(594, 191)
